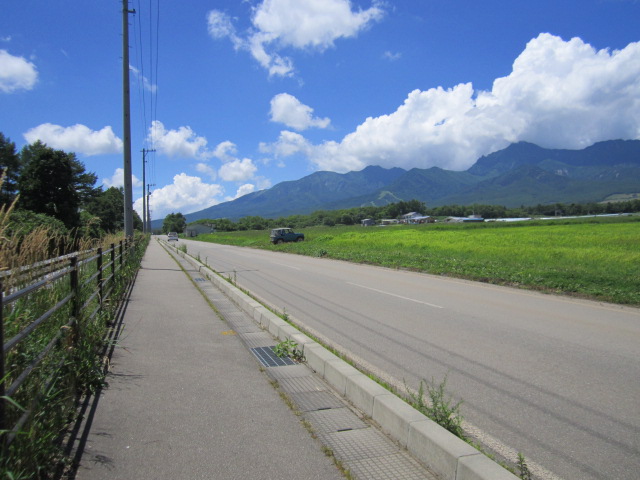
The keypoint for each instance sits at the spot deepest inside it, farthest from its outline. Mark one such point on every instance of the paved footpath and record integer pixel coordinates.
(185, 398)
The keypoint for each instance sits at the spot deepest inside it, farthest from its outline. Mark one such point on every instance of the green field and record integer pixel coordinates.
(598, 258)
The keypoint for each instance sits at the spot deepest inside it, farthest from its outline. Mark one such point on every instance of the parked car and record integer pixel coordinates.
(280, 235)
(172, 236)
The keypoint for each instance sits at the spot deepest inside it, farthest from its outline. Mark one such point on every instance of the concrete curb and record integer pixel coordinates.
(448, 456)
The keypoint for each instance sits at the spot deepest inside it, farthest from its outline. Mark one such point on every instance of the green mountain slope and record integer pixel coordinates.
(302, 196)
(521, 174)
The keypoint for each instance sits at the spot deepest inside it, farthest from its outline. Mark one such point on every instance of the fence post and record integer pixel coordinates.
(121, 255)
(75, 287)
(99, 267)
(2, 386)
(113, 263)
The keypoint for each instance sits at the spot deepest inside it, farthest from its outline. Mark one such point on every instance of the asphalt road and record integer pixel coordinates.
(555, 378)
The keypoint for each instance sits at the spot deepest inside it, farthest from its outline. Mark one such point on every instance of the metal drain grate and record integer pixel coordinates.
(199, 279)
(269, 359)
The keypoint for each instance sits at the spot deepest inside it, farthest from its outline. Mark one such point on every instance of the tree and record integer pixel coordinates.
(174, 222)
(10, 168)
(108, 206)
(224, 225)
(54, 183)
(46, 184)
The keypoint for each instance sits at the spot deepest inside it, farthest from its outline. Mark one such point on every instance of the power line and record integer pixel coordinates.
(147, 26)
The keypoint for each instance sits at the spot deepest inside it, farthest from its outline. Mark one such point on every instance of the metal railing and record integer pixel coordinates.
(91, 277)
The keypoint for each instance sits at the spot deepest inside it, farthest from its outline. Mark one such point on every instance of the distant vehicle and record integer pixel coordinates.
(280, 235)
(172, 236)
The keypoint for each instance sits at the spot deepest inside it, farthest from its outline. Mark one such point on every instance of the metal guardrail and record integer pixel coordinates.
(87, 292)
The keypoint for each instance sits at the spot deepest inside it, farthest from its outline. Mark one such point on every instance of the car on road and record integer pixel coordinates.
(281, 235)
(172, 236)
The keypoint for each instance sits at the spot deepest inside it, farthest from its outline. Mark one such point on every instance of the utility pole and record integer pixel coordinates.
(148, 210)
(126, 124)
(144, 199)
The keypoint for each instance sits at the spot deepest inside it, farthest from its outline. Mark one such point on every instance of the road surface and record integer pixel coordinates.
(555, 378)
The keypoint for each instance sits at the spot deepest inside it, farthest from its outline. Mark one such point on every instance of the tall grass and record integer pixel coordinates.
(595, 258)
(74, 365)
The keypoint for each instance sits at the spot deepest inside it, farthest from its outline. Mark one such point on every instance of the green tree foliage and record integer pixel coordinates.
(54, 183)
(252, 223)
(23, 222)
(10, 168)
(174, 222)
(108, 206)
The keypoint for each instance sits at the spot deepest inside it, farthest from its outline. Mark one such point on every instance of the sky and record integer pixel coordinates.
(230, 97)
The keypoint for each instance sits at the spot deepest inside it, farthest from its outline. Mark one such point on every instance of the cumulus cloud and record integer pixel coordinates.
(207, 170)
(77, 138)
(237, 170)
(16, 73)
(560, 94)
(243, 190)
(288, 144)
(277, 24)
(287, 109)
(117, 180)
(180, 143)
(225, 151)
(186, 194)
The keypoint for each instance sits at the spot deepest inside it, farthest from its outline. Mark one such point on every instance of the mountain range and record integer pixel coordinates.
(521, 174)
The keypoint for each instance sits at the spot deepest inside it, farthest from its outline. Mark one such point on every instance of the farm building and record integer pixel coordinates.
(368, 222)
(470, 218)
(415, 218)
(197, 229)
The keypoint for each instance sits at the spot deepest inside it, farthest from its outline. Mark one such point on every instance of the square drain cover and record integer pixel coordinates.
(269, 359)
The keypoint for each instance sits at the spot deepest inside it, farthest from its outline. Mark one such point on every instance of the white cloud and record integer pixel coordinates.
(16, 73)
(391, 56)
(207, 170)
(225, 151)
(247, 188)
(313, 23)
(287, 109)
(243, 190)
(77, 138)
(185, 195)
(262, 183)
(237, 170)
(277, 24)
(141, 78)
(219, 25)
(117, 180)
(288, 144)
(571, 95)
(560, 94)
(181, 143)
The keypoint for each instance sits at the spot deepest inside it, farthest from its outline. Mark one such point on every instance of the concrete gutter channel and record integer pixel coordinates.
(445, 454)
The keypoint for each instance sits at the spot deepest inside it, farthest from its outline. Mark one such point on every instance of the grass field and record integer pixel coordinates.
(596, 258)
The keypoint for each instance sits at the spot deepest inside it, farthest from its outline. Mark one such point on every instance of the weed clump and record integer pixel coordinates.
(289, 348)
(437, 405)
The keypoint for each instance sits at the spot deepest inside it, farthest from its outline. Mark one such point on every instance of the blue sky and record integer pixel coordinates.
(239, 95)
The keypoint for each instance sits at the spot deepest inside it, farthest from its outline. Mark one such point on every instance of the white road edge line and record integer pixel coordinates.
(285, 265)
(394, 295)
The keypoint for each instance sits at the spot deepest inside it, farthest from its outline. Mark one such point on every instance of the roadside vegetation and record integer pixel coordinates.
(594, 257)
(56, 329)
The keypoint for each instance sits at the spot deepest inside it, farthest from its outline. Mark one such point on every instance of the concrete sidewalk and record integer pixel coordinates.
(186, 399)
